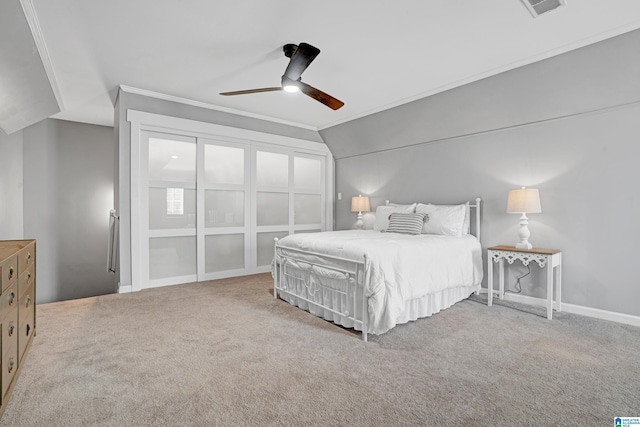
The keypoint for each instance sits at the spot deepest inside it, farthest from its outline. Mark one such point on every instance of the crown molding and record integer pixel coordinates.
(43, 51)
(200, 104)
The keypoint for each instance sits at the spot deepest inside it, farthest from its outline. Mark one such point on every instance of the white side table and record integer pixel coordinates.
(551, 258)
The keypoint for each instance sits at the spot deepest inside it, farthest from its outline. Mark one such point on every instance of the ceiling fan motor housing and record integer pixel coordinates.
(289, 49)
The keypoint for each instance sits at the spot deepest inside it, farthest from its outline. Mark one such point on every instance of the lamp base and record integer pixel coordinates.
(524, 245)
(524, 233)
(359, 221)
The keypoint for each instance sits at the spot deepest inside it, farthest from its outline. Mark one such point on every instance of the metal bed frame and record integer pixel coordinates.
(355, 274)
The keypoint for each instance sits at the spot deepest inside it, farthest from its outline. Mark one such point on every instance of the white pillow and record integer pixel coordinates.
(383, 213)
(447, 220)
(412, 206)
(467, 219)
(466, 229)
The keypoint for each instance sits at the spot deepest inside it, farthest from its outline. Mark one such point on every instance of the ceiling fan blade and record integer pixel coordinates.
(300, 60)
(320, 96)
(244, 92)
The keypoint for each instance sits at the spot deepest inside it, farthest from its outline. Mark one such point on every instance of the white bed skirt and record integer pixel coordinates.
(413, 309)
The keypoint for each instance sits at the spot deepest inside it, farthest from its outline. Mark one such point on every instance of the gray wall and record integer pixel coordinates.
(130, 101)
(68, 191)
(576, 141)
(598, 76)
(11, 186)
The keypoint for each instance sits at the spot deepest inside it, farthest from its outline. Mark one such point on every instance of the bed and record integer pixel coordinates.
(373, 280)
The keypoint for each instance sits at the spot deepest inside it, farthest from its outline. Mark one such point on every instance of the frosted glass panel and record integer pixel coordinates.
(223, 165)
(272, 169)
(272, 208)
(172, 160)
(265, 246)
(171, 257)
(172, 208)
(307, 209)
(224, 252)
(223, 208)
(307, 173)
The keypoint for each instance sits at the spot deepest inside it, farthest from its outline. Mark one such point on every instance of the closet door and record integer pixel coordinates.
(273, 208)
(210, 207)
(224, 209)
(289, 198)
(308, 193)
(170, 231)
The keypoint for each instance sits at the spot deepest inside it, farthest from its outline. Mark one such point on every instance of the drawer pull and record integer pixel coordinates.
(12, 297)
(28, 277)
(10, 272)
(28, 257)
(28, 329)
(11, 364)
(28, 301)
(11, 328)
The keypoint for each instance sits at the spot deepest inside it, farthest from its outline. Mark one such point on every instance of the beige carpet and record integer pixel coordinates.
(226, 353)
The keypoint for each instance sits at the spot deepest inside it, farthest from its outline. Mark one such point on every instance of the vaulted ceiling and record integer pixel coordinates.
(374, 54)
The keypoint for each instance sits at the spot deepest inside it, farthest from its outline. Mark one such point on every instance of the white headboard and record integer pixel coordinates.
(476, 206)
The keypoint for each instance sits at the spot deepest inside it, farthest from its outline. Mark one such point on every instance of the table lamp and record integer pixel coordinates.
(360, 204)
(523, 201)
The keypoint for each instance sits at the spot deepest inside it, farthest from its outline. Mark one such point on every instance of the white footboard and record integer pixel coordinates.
(321, 281)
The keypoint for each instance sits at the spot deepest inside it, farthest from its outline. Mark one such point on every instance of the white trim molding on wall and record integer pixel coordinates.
(199, 104)
(143, 121)
(43, 50)
(612, 316)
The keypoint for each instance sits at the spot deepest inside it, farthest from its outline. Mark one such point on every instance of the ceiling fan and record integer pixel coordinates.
(300, 56)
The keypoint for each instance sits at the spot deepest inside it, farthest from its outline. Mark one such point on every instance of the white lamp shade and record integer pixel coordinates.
(524, 200)
(360, 204)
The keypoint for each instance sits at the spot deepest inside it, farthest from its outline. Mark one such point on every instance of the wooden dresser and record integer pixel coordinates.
(17, 309)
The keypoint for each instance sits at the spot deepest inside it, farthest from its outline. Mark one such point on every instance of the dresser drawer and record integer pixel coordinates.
(26, 279)
(10, 333)
(26, 257)
(8, 299)
(27, 316)
(26, 303)
(9, 271)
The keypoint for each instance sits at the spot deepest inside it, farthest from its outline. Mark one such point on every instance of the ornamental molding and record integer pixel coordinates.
(525, 257)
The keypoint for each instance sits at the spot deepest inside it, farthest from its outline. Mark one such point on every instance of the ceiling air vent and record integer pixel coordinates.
(538, 7)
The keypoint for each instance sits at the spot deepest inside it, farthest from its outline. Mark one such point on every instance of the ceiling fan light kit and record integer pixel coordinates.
(289, 85)
(300, 56)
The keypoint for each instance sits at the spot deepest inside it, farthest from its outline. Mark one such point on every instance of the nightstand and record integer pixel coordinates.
(551, 258)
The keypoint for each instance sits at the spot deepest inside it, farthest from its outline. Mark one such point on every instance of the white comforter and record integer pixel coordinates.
(402, 267)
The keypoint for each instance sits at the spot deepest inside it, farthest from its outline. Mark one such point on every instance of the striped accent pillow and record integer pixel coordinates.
(406, 223)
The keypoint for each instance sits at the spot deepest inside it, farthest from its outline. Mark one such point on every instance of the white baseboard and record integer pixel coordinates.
(612, 316)
(124, 289)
